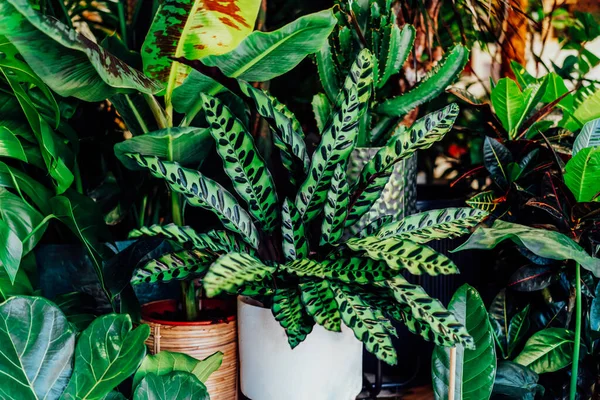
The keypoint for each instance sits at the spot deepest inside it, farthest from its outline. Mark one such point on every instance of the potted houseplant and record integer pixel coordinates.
(289, 254)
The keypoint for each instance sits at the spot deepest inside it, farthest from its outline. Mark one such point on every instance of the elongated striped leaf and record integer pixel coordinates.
(336, 208)
(375, 174)
(403, 253)
(588, 137)
(484, 201)
(232, 271)
(430, 311)
(338, 139)
(294, 241)
(359, 317)
(397, 44)
(319, 302)
(242, 162)
(203, 192)
(434, 224)
(289, 312)
(359, 270)
(178, 265)
(436, 81)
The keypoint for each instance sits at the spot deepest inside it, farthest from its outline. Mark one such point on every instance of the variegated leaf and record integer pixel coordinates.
(403, 253)
(359, 317)
(336, 208)
(242, 162)
(358, 270)
(375, 175)
(485, 201)
(294, 241)
(232, 271)
(178, 265)
(430, 311)
(203, 192)
(288, 311)
(319, 302)
(435, 224)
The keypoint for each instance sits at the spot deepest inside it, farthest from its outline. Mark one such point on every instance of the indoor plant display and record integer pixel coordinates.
(289, 254)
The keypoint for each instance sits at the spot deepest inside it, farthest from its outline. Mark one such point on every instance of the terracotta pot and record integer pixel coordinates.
(198, 339)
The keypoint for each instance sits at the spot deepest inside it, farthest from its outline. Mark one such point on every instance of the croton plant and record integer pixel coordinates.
(291, 252)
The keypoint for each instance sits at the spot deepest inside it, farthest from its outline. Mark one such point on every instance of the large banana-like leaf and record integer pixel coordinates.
(338, 138)
(70, 63)
(375, 174)
(232, 271)
(178, 265)
(319, 302)
(361, 318)
(107, 353)
(37, 348)
(294, 242)
(435, 224)
(581, 174)
(264, 56)
(403, 253)
(475, 369)
(588, 137)
(203, 192)
(436, 81)
(242, 162)
(194, 29)
(289, 312)
(359, 270)
(336, 208)
(430, 311)
(177, 385)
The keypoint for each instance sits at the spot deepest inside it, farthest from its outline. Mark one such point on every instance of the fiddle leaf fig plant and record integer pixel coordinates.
(292, 251)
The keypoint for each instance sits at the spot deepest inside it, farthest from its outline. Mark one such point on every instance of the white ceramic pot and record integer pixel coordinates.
(326, 366)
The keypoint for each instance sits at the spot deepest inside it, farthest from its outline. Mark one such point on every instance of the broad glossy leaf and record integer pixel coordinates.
(294, 241)
(176, 385)
(165, 362)
(336, 208)
(203, 192)
(548, 350)
(515, 381)
(187, 146)
(509, 104)
(475, 369)
(353, 270)
(588, 137)
(107, 353)
(289, 311)
(496, 158)
(71, 64)
(38, 344)
(319, 302)
(581, 174)
(544, 243)
(264, 56)
(22, 219)
(183, 264)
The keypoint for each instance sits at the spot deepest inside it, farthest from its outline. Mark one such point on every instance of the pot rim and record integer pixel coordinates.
(170, 304)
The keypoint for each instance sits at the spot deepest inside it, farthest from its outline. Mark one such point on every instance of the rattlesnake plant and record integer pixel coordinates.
(291, 253)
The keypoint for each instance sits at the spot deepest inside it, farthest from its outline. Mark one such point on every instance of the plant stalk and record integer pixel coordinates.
(575, 366)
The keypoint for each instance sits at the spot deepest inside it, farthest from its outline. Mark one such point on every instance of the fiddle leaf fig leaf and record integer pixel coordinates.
(319, 302)
(177, 385)
(294, 243)
(475, 369)
(588, 137)
(581, 174)
(288, 310)
(177, 265)
(336, 208)
(38, 344)
(242, 162)
(231, 271)
(548, 350)
(357, 270)
(203, 192)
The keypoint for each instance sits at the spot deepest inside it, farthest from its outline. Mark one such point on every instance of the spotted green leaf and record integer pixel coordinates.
(294, 243)
(435, 224)
(484, 201)
(430, 311)
(360, 270)
(319, 302)
(376, 173)
(242, 162)
(336, 208)
(359, 317)
(203, 192)
(232, 271)
(403, 253)
(288, 310)
(177, 265)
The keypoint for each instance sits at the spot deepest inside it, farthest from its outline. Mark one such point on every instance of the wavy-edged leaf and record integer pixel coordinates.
(430, 311)
(107, 353)
(177, 265)
(404, 254)
(336, 208)
(376, 173)
(263, 56)
(475, 369)
(319, 302)
(581, 174)
(434, 224)
(484, 201)
(548, 350)
(288, 310)
(443, 74)
(176, 385)
(71, 64)
(294, 242)
(242, 162)
(367, 328)
(203, 192)
(38, 344)
(231, 271)
(397, 43)
(358, 270)
(588, 137)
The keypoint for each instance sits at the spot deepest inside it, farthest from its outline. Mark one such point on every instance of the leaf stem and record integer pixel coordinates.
(575, 366)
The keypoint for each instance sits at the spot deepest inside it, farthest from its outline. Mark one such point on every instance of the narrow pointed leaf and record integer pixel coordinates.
(319, 302)
(232, 271)
(289, 311)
